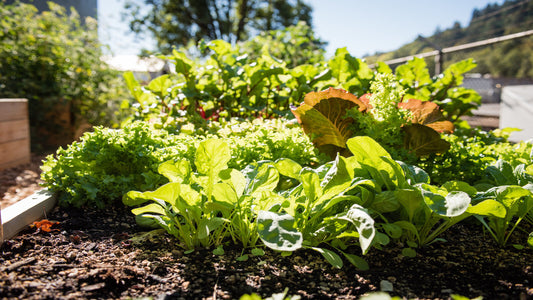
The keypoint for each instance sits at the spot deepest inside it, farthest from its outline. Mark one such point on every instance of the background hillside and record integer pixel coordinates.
(506, 59)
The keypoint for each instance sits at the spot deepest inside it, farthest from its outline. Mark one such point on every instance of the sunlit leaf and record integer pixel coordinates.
(323, 117)
(423, 140)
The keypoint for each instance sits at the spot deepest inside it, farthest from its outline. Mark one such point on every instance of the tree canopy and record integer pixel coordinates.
(180, 22)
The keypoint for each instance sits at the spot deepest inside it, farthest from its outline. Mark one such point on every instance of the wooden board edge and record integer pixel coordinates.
(19, 215)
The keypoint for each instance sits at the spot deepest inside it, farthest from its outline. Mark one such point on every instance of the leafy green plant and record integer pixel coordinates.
(515, 202)
(444, 90)
(316, 212)
(228, 83)
(410, 208)
(478, 151)
(193, 207)
(107, 163)
(331, 117)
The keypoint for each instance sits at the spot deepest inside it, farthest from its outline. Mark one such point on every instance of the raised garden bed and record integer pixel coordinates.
(103, 254)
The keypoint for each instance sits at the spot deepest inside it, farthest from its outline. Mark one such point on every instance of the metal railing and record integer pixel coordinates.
(439, 53)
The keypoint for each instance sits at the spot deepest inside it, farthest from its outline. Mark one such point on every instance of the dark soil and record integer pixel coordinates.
(97, 254)
(94, 254)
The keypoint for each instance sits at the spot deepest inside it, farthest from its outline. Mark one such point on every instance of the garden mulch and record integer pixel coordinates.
(103, 254)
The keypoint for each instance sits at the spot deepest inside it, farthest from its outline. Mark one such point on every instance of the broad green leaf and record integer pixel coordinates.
(357, 261)
(242, 258)
(235, 179)
(489, 207)
(460, 186)
(364, 224)
(510, 196)
(288, 167)
(266, 200)
(160, 85)
(408, 226)
(333, 258)
(502, 172)
(169, 193)
(414, 174)
(453, 205)
(260, 178)
(323, 117)
(530, 240)
(134, 198)
(408, 252)
(414, 73)
(190, 196)
(369, 153)
(212, 156)
(176, 172)
(337, 179)
(207, 225)
(381, 239)
(329, 203)
(258, 252)
(133, 85)
(385, 202)
(146, 222)
(423, 140)
(183, 64)
(223, 192)
(153, 208)
(219, 46)
(278, 231)
(393, 230)
(411, 200)
(311, 184)
(218, 250)
(367, 150)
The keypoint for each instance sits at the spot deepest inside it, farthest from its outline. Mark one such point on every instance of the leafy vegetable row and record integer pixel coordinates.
(364, 200)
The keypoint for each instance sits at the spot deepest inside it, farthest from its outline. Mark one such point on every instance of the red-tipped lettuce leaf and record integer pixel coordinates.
(323, 118)
(427, 113)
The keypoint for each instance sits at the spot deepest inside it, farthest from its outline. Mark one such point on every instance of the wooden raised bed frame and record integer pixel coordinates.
(14, 133)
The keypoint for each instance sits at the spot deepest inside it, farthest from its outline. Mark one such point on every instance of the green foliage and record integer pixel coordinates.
(295, 45)
(227, 84)
(409, 128)
(180, 23)
(443, 90)
(54, 61)
(107, 163)
(514, 202)
(476, 150)
(193, 207)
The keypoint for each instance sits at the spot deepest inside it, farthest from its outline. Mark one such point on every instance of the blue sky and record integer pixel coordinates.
(362, 26)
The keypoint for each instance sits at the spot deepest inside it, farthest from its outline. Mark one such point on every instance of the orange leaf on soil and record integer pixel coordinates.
(44, 225)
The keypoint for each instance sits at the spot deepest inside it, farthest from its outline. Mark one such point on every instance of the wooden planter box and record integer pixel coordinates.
(14, 133)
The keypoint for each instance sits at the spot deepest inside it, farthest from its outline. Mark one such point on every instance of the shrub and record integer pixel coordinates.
(53, 60)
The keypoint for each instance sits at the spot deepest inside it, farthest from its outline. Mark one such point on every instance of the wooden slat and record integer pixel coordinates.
(13, 109)
(18, 216)
(14, 130)
(14, 153)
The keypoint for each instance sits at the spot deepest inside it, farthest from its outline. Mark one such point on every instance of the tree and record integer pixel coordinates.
(180, 22)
